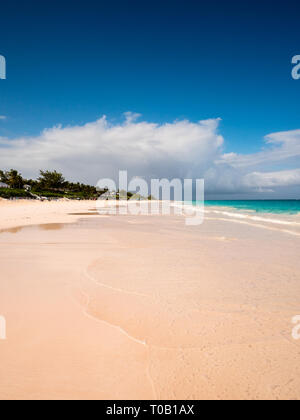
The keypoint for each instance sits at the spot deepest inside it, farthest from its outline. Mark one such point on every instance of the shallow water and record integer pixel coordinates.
(259, 206)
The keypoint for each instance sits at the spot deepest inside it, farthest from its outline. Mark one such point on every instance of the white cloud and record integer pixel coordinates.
(178, 149)
(100, 149)
(282, 146)
(2, 117)
(273, 179)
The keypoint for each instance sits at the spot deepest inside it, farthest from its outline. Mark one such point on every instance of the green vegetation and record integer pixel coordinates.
(51, 180)
(12, 178)
(13, 193)
(49, 185)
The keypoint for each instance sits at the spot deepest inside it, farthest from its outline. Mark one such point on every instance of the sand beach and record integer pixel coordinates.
(145, 307)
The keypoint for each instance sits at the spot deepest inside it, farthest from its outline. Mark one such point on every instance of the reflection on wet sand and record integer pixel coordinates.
(52, 226)
(12, 230)
(47, 227)
(84, 214)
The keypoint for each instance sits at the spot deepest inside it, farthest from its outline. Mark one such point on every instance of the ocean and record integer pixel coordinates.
(259, 206)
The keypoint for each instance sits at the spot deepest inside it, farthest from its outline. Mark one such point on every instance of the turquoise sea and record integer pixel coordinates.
(259, 206)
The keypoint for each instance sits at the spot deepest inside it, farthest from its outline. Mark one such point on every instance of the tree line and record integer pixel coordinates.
(49, 184)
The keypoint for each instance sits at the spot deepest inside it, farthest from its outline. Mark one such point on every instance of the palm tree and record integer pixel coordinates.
(13, 179)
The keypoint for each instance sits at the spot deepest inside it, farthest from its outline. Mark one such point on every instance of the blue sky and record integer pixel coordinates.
(70, 63)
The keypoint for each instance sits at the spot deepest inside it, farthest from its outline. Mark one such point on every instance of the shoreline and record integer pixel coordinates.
(17, 213)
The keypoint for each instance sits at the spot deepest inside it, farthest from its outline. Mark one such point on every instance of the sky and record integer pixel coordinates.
(160, 88)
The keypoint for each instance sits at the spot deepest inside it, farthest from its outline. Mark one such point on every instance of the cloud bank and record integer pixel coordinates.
(181, 149)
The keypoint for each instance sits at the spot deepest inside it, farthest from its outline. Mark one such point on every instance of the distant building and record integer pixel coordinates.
(3, 185)
(27, 187)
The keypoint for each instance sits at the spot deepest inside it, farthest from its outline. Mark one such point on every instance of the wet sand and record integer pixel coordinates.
(144, 307)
